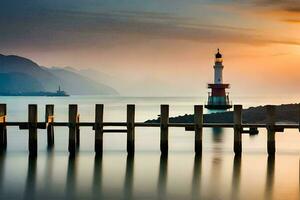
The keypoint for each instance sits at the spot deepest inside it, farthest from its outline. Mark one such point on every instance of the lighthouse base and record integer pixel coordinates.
(218, 102)
(218, 107)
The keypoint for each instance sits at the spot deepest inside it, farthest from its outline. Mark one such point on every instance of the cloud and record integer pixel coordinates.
(46, 26)
(281, 8)
(292, 21)
(287, 42)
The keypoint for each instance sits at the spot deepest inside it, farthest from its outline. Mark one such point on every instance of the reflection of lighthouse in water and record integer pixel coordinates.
(218, 99)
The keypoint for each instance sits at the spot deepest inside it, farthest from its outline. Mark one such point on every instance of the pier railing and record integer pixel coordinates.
(239, 128)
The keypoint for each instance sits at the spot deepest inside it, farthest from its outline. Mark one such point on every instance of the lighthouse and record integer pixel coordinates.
(218, 99)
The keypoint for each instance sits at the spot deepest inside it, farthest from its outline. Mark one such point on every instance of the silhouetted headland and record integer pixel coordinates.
(58, 93)
(287, 113)
(21, 76)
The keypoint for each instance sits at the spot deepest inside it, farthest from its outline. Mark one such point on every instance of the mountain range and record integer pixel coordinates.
(19, 75)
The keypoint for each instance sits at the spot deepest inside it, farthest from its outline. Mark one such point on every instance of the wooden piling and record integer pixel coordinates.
(99, 129)
(73, 109)
(77, 131)
(49, 118)
(239, 128)
(32, 127)
(164, 128)
(271, 129)
(198, 120)
(130, 129)
(237, 118)
(299, 117)
(3, 130)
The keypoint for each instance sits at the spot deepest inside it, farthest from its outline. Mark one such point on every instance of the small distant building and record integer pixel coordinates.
(60, 92)
(218, 98)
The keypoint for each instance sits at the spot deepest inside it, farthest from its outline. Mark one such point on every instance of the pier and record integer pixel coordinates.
(101, 127)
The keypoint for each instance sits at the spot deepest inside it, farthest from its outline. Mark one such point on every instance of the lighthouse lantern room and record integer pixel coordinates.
(218, 99)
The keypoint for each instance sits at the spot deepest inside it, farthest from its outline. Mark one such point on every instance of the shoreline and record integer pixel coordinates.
(287, 113)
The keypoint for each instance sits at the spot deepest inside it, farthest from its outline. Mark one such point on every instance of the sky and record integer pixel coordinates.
(162, 47)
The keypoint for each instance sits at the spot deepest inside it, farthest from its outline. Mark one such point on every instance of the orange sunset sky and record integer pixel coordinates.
(162, 47)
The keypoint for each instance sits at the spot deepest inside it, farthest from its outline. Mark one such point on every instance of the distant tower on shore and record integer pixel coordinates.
(218, 99)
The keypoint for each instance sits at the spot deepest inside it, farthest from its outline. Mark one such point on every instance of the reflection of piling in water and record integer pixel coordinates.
(236, 177)
(128, 183)
(162, 178)
(270, 177)
(97, 177)
(49, 169)
(216, 159)
(31, 178)
(2, 169)
(217, 134)
(215, 175)
(196, 184)
(71, 177)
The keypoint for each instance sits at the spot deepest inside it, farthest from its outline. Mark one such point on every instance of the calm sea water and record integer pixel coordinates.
(217, 174)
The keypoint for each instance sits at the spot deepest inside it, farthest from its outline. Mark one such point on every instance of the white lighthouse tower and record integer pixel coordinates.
(218, 68)
(217, 98)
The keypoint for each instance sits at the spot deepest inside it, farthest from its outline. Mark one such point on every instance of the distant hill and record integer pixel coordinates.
(26, 68)
(97, 76)
(74, 83)
(19, 82)
(288, 113)
(18, 74)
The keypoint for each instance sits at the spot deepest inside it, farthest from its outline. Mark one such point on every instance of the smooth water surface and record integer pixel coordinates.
(217, 174)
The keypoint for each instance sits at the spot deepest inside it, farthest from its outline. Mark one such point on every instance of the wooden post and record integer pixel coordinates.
(299, 116)
(3, 131)
(32, 122)
(198, 120)
(271, 129)
(99, 129)
(164, 128)
(237, 118)
(49, 118)
(72, 128)
(77, 131)
(130, 129)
